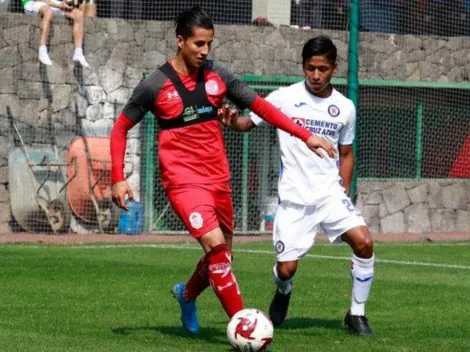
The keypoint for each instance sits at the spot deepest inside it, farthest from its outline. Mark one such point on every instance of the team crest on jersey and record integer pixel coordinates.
(333, 110)
(279, 247)
(212, 87)
(196, 220)
(299, 121)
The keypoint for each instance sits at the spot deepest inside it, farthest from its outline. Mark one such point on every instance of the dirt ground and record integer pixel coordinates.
(149, 238)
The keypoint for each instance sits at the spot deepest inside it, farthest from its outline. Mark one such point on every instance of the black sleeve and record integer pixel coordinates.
(238, 92)
(142, 99)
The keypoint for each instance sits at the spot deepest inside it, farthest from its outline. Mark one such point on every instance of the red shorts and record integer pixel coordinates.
(202, 209)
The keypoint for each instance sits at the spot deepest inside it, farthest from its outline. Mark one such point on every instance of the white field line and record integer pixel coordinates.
(256, 251)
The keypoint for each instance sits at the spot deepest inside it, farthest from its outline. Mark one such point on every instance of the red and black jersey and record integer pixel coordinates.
(190, 141)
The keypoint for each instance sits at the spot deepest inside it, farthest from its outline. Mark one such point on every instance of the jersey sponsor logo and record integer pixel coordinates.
(172, 95)
(333, 110)
(205, 110)
(318, 127)
(212, 87)
(298, 105)
(192, 113)
(279, 247)
(196, 220)
(299, 121)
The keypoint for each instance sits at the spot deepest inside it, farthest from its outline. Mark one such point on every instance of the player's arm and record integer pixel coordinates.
(245, 97)
(346, 165)
(133, 112)
(345, 148)
(232, 119)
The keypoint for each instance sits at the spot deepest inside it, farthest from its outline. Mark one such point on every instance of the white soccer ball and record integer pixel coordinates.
(250, 330)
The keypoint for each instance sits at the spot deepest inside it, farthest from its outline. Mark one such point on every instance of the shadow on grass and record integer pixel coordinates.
(211, 335)
(303, 323)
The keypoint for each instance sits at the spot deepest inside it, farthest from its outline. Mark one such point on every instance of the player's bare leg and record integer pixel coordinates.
(78, 30)
(283, 272)
(362, 273)
(228, 240)
(47, 15)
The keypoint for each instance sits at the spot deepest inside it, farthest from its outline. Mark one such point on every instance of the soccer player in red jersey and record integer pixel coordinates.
(184, 95)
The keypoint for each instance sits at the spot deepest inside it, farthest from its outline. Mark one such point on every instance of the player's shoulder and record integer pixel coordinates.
(151, 84)
(224, 73)
(210, 65)
(289, 92)
(154, 80)
(294, 88)
(342, 101)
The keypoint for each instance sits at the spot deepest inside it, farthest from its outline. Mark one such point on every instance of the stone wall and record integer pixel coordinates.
(120, 52)
(415, 207)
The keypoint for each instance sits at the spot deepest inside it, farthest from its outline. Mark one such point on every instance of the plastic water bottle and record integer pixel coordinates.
(270, 212)
(131, 222)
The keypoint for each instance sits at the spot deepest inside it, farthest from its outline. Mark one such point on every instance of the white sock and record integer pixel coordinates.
(43, 49)
(78, 52)
(362, 273)
(283, 286)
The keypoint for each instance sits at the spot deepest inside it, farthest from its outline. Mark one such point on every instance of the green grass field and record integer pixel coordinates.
(117, 298)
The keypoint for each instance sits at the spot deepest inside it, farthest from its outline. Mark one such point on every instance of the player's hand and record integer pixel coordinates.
(228, 116)
(119, 192)
(316, 144)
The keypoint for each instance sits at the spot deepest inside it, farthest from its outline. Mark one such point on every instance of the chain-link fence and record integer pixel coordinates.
(55, 120)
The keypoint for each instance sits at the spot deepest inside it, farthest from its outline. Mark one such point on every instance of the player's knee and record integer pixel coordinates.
(286, 270)
(364, 246)
(219, 259)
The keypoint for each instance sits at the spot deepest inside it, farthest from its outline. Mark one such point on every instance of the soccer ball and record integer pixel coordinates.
(250, 330)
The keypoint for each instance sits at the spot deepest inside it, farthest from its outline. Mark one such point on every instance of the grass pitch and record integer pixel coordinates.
(117, 298)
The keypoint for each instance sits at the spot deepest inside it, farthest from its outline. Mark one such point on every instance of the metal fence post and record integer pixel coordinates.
(353, 74)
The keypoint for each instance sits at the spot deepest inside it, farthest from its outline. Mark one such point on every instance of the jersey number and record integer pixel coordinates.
(351, 208)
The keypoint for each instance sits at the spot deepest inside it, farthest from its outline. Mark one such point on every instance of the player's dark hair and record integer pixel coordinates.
(188, 20)
(320, 46)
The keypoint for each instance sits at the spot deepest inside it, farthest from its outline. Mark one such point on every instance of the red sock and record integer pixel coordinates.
(222, 280)
(198, 282)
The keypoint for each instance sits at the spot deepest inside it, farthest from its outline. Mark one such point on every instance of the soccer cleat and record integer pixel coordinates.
(81, 59)
(278, 308)
(358, 324)
(189, 316)
(45, 59)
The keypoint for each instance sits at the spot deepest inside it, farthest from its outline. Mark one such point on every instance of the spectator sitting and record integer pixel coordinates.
(47, 9)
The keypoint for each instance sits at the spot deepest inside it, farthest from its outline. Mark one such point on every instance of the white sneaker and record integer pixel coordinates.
(81, 59)
(45, 59)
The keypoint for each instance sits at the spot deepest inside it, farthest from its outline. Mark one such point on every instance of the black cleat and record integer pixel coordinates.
(278, 308)
(358, 324)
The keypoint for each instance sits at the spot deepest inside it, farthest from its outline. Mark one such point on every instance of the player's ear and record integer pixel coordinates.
(180, 41)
